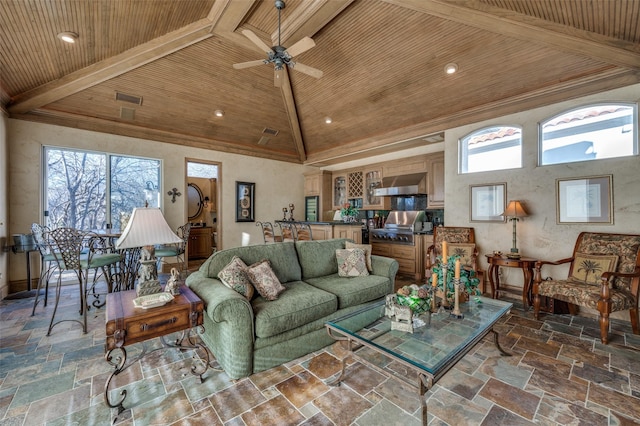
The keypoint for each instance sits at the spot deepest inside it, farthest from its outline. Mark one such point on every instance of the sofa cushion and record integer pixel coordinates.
(264, 280)
(283, 258)
(353, 290)
(367, 248)
(300, 304)
(234, 276)
(351, 263)
(318, 257)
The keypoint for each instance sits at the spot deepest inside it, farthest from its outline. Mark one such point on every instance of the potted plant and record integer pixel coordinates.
(348, 213)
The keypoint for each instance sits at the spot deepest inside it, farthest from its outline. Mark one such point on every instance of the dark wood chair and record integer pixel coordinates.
(604, 274)
(460, 241)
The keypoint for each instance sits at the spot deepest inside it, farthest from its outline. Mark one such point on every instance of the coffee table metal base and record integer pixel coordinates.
(425, 380)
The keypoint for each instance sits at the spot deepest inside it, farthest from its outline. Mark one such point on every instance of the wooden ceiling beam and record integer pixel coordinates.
(111, 67)
(531, 29)
(292, 114)
(308, 18)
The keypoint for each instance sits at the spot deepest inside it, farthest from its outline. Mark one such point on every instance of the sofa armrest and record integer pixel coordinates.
(222, 304)
(385, 267)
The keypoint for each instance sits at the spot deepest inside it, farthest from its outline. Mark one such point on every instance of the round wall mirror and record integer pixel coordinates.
(194, 197)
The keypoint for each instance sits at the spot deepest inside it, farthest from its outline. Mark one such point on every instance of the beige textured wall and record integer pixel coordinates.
(277, 183)
(538, 235)
(4, 213)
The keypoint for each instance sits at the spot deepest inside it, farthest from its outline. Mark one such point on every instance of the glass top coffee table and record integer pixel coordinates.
(431, 350)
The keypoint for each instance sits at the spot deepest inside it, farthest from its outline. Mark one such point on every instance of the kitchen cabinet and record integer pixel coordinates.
(318, 184)
(355, 184)
(353, 232)
(406, 166)
(410, 257)
(372, 181)
(200, 242)
(321, 232)
(435, 185)
(339, 190)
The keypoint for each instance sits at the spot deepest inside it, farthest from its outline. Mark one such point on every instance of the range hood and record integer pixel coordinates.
(412, 184)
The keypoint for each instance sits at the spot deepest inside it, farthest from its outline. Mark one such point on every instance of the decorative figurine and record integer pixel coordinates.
(291, 207)
(173, 284)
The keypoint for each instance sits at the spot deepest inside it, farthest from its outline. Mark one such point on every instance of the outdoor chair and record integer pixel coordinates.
(175, 250)
(48, 263)
(604, 274)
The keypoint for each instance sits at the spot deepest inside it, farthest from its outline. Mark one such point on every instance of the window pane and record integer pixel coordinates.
(491, 148)
(134, 183)
(75, 189)
(201, 170)
(589, 133)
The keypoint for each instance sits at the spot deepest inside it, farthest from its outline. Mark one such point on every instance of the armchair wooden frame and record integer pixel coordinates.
(616, 291)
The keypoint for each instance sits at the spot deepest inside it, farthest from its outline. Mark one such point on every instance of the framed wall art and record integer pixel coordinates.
(245, 207)
(487, 202)
(584, 200)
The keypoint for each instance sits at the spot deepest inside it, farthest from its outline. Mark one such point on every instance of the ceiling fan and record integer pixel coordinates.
(280, 56)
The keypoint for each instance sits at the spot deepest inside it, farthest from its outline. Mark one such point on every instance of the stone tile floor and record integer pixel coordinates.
(559, 373)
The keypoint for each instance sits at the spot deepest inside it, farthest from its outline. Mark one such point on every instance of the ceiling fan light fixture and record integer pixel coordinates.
(68, 37)
(451, 68)
(218, 113)
(328, 120)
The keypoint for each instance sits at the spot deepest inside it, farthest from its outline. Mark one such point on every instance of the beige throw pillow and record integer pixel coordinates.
(351, 263)
(588, 268)
(235, 277)
(464, 250)
(367, 252)
(265, 280)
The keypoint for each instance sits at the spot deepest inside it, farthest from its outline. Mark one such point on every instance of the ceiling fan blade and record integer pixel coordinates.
(249, 64)
(278, 76)
(301, 46)
(313, 72)
(257, 41)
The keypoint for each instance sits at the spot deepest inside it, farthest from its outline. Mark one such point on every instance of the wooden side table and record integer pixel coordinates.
(126, 324)
(525, 263)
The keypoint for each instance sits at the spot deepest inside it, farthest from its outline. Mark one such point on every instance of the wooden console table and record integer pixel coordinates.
(126, 324)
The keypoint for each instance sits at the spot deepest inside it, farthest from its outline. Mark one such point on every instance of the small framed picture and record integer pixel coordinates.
(487, 202)
(584, 200)
(245, 207)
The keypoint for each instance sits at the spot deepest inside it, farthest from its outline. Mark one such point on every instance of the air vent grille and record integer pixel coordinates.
(271, 132)
(435, 138)
(132, 99)
(263, 140)
(127, 113)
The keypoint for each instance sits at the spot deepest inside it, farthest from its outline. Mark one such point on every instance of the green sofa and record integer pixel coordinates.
(251, 336)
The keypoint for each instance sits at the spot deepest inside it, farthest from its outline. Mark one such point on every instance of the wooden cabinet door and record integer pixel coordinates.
(352, 232)
(199, 243)
(321, 232)
(312, 185)
(339, 191)
(436, 182)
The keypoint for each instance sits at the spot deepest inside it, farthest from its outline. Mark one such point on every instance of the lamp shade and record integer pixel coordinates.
(147, 227)
(515, 209)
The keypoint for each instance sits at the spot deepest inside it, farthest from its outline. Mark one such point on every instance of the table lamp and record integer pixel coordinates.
(146, 228)
(514, 211)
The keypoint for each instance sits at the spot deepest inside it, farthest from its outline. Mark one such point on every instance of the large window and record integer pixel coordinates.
(491, 148)
(90, 190)
(589, 133)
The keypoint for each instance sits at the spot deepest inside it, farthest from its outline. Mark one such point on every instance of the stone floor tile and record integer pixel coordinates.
(302, 388)
(59, 405)
(400, 393)
(164, 409)
(362, 379)
(275, 375)
(206, 416)
(342, 405)
(499, 416)
(545, 348)
(42, 388)
(503, 368)
(276, 411)
(511, 398)
(522, 331)
(387, 414)
(453, 409)
(235, 400)
(323, 365)
(461, 383)
(578, 354)
(548, 381)
(561, 411)
(624, 404)
(602, 377)
(317, 420)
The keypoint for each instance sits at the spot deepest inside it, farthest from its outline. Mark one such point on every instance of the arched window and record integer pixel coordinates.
(592, 132)
(491, 148)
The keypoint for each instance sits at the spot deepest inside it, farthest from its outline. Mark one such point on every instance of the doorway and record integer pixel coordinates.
(203, 185)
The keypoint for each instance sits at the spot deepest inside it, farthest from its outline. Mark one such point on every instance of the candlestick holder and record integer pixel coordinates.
(444, 303)
(456, 304)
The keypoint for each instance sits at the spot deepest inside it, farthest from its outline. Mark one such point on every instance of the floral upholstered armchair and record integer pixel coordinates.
(604, 274)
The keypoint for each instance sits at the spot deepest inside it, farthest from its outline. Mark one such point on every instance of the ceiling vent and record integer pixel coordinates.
(435, 138)
(263, 140)
(270, 132)
(127, 113)
(132, 99)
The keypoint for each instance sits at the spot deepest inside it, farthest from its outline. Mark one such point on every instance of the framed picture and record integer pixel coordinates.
(245, 207)
(488, 202)
(584, 200)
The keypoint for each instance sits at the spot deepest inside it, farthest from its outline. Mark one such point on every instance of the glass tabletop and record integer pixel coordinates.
(432, 347)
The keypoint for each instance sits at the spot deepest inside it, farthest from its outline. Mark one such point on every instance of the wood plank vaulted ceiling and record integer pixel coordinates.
(384, 84)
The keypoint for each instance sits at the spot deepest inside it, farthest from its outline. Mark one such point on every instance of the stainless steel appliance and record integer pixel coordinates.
(399, 227)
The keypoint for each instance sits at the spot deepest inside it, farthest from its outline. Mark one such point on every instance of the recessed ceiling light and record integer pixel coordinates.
(328, 120)
(68, 37)
(451, 68)
(219, 113)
